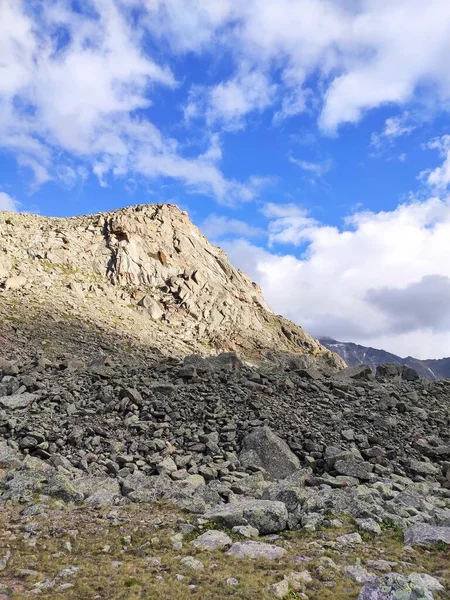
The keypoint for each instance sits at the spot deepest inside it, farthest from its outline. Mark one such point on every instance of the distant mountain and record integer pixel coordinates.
(354, 354)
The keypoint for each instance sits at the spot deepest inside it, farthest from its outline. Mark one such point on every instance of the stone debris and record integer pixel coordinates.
(141, 366)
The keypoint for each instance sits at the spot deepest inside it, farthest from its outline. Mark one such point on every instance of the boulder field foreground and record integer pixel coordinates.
(164, 440)
(207, 478)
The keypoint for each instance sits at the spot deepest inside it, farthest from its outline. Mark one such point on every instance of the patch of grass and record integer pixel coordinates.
(111, 567)
(442, 547)
(393, 529)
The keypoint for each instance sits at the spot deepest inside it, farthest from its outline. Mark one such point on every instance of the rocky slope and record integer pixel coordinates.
(137, 460)
(143, 272)
(248, 453)
(355, 354)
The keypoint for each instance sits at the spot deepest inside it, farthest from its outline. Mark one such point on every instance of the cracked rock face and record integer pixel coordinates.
(148, 269)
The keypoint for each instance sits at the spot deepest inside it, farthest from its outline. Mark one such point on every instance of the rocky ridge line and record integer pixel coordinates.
(145, 271)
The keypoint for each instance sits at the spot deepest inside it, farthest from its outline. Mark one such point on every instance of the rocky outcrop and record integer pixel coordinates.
(148, 270)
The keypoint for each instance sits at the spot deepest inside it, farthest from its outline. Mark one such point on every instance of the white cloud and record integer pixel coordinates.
(75, 85)
(394, 127)
(439, 177)
(366, 54)
(79, 99)
(382, 281)
(315, 169)
(8, 203)
(229, 102)
(289, 224)
(219, 227)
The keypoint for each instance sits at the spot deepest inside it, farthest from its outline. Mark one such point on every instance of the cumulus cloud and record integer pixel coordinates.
(7, 202)
(74, 84)
(382, 280)
(439, 177)
(366, 54)
(79, 83)
(230, 101)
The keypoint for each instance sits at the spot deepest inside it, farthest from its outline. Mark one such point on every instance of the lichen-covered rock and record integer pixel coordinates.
(394, 586)
(423, 534)
(256, 550)
(266, 516)
(37, 477)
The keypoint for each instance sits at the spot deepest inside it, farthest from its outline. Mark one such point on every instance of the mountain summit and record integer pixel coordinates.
(144, 273)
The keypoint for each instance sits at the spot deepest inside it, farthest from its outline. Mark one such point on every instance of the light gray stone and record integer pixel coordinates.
(189, 562)
(256, 550)
(265, 515)
(394, 586)
(212, 540)
(422, 534)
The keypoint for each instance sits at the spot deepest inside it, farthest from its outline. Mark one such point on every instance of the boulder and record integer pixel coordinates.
(256, 550)
(266, 516)
(422, 534)
(17, 401)
(394, 586)
(15, 283)
(388, 371)
(357, 372)
(265, 449)
(212, 540)
(9, 458)
(352, 468)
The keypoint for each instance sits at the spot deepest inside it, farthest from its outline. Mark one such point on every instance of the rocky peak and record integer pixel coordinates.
(147, 271)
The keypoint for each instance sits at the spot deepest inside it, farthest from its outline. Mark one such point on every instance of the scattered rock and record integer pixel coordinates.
(212, 540)
(256, 550)
(398, 587)
(191, 563)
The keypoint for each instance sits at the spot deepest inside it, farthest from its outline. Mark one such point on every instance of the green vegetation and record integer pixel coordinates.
(128, 553)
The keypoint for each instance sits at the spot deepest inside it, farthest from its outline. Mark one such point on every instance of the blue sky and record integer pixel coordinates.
(309, 138)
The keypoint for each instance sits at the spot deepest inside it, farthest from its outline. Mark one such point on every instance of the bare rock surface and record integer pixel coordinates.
(144, 268)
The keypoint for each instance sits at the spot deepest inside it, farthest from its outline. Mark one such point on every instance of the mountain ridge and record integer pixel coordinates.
(144, 271)
(356, 354)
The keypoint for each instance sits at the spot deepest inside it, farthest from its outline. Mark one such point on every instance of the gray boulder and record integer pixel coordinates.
(37, 477)
(394, 586)
(256, 550)
(351, 468)
(9, 458)
(212, 540)
(17, 401)
(423, 534)
(263, 448)
(266, 516)
(358, 372)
